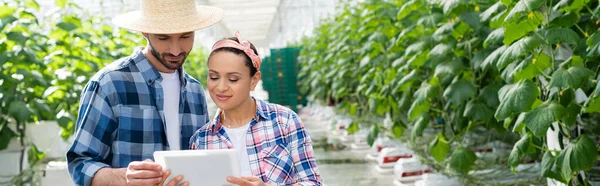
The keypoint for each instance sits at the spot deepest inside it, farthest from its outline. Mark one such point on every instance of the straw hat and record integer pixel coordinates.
(169, 17)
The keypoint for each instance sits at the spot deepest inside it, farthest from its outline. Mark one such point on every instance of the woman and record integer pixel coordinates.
(273, 146)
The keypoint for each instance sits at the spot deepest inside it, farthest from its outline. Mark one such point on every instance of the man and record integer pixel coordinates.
(142, 103)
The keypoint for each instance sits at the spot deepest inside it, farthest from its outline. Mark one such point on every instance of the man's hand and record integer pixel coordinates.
(143, 173)
(246, 181)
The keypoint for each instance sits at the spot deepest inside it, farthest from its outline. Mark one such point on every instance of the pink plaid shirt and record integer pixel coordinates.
(279, 148)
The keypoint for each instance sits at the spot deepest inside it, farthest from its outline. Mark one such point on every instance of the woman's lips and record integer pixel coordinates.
(222, 97)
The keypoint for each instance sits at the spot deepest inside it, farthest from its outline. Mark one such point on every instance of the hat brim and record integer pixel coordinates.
(206, 16)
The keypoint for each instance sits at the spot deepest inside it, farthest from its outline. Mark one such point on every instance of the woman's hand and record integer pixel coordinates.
(173, 181)
(246, 181)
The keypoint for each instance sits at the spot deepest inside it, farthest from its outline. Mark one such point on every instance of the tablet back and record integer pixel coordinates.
(200, 167)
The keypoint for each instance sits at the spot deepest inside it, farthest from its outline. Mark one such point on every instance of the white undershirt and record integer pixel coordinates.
(171, 90)
(238, 140)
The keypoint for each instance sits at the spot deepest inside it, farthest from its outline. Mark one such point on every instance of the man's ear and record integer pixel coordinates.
(146, 35)
(255, 80)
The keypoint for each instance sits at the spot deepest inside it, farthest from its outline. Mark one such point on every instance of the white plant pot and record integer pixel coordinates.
(9, 159)
(552, 142)
(46, 136)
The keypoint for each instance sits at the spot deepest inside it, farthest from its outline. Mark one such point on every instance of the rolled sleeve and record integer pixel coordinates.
(94, 134)
(300, 146)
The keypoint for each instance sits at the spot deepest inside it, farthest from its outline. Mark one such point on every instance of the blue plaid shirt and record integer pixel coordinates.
(121, 117)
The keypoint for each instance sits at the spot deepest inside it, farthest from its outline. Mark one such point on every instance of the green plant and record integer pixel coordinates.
(500, 69)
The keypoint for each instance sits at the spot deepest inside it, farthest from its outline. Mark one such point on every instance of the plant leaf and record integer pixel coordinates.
(440, 147)
(462, 160)
(574, 77)
(516, 99)
(523, 6)
(419, 126)
(373, 133)
(540, 118)
(459, 91)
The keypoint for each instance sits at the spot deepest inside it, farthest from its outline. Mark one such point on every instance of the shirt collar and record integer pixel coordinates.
(262, 111)
(150, 73)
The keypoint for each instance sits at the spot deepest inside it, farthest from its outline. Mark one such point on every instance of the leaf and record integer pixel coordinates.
(560, 35)
(584, 153)
(514, 32)
(419, 126)
(566, 20)
(364, 61)
(32, 4)
(60, 3)
(462, 160)
(530, 68)
(459, 91)
(593, 40)
(440, 51)
(34, 155)
(439, 147)
(540, 118)
(6, 21)
(516, 50)
(518, 98)
(407, 8)
(523, 6)
(448, 68)
(353, 128)
(6, 135)
(574, 77)
(521, 148)
(564, 162)
(352, 110)
(64, 119)
(6, 11)
(20, 111)
(548, 167)
(489, 95)
(472, 19)
(492, 59)
(575, 6)
(398, 130)
(373, 133)
(449, 5)
(487, 14)
(17, 37)
(495, 37)
(425, 91)
(418, 108)
(571, 113)
(407, 80)
(418, 60)
(478, 111)
(519, 124)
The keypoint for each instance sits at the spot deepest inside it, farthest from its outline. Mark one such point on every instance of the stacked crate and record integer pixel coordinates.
(279, 78)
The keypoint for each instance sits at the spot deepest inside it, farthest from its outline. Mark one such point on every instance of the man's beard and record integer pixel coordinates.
(162, 58)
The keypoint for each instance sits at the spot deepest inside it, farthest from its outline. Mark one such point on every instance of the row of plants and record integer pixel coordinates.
(46, 58)
(507, 70)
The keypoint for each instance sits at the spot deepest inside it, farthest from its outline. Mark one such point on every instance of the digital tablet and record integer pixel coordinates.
(200, 167)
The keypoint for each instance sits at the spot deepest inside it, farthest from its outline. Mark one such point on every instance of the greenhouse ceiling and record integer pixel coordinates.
(252, 18)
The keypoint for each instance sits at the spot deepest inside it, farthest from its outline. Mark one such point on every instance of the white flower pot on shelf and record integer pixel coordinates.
(9, 159)
(410, 170)
(56, 173)
(46, 136)
(390, 155)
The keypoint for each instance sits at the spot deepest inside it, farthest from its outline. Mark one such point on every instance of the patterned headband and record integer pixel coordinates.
(243, 45)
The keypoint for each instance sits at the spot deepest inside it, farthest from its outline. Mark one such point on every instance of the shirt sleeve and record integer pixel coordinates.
(301, 150)
(94, 134)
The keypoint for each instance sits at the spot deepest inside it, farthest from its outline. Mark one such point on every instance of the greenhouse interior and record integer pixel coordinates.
(339, 92)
